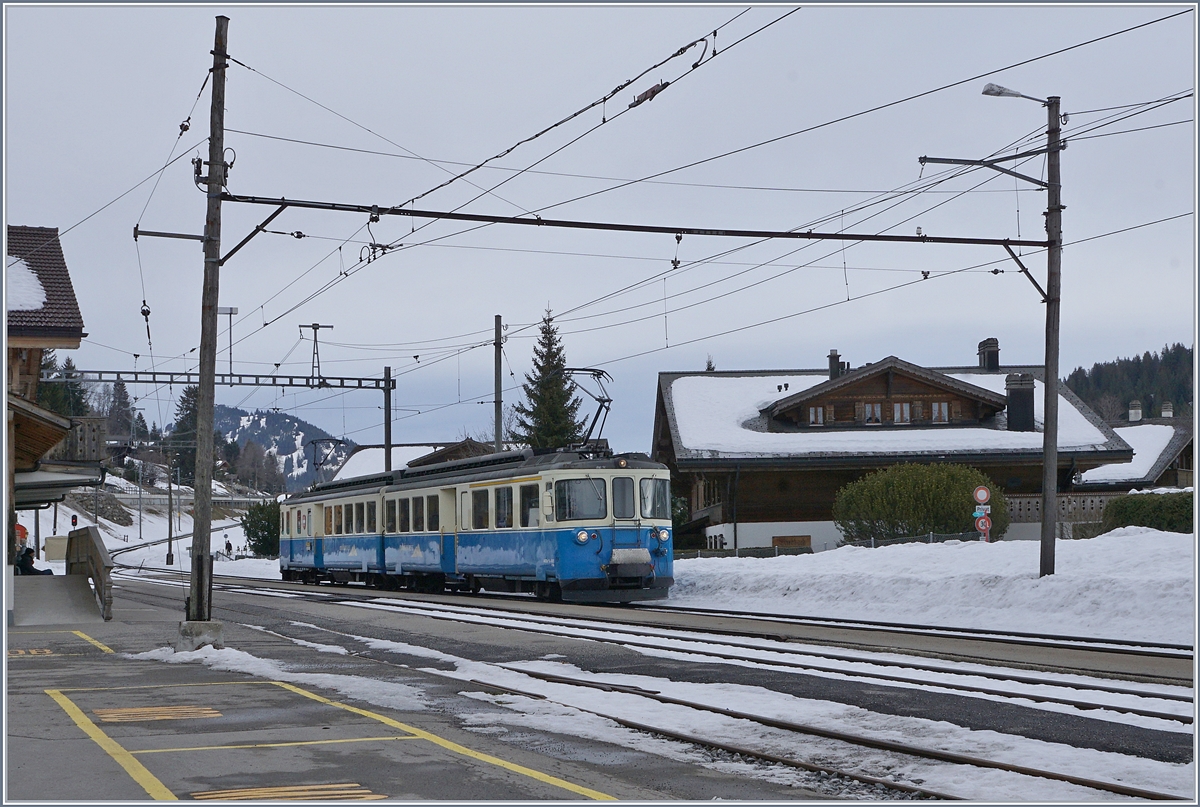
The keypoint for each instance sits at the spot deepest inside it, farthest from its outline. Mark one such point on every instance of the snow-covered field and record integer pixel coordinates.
(1132, 583)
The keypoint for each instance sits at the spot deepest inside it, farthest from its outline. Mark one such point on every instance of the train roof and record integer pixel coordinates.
(489, 465)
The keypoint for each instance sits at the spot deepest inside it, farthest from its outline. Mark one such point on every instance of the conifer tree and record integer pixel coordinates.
(547, 418)
(183, 436)
(120, 412)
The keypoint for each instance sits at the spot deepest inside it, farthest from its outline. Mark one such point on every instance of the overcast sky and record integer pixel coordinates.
(392, 101)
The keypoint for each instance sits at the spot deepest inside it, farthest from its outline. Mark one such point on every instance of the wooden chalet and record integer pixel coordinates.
(760, 455)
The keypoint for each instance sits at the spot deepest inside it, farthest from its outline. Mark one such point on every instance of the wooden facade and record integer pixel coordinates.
(796, 483)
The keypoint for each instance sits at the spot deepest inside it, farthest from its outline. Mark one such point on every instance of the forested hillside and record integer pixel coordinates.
(1152, 378)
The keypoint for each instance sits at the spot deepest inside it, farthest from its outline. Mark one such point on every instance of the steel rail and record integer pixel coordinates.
(870, 742)
(437, 611)
(863, 624)
(880, 744)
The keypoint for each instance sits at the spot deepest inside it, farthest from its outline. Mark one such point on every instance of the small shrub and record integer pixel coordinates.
(908, 500)
(1171, 512)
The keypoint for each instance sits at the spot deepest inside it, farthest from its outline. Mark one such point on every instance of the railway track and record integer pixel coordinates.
(881, 774)
(1160, 649)
(1155, 701)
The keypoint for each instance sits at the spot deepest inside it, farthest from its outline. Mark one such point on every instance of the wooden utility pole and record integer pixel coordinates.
(387, 418)
(499, 401)
(199, 607)
(1053, 293)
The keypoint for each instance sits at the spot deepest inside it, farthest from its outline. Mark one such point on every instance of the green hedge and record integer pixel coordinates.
(1171, 512)
(909, 499)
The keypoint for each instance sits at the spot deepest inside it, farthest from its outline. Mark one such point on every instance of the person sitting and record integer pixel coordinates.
(25, 565)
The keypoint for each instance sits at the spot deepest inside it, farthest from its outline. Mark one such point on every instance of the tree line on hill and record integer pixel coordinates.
(1152, 378)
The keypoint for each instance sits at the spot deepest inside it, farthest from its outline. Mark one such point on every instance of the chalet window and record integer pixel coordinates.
(713, 488)
(918, 410)
(901, 413)
(872, 413)
(941, 412)
(816, 415)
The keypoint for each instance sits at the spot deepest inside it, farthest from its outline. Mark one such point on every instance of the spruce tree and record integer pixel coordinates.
(120, 412)
(547, 418)
(183, 436)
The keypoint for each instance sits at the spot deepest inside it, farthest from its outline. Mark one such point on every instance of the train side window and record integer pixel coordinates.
(431, 512)
(389, 515)
(337, 519)
(328, 520)
(404, 511)
(371, 525)
(529, 506)
(580, 499)
(418, 507)
(308, 528)
(359, 517)
(504, 507)
(464, 507)
(623, 497)
(479, 509)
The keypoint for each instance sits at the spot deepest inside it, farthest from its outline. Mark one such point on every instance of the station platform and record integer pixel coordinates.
(97, 713)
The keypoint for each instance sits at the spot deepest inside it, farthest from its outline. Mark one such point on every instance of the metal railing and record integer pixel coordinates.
(1072, 507)
(86, 554)
(926, 538)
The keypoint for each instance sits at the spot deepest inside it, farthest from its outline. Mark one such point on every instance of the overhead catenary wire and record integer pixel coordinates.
(871, 110)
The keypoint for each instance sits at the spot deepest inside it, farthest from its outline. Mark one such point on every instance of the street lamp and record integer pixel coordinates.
(1054, 210)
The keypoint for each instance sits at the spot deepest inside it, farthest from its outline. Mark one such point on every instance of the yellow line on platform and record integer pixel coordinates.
(273, 745)
(87, 638)
(456, 748)
(156, 789)
(78, 633)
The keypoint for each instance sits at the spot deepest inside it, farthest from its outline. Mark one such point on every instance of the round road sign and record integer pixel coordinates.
(983, 523)
(982, 494)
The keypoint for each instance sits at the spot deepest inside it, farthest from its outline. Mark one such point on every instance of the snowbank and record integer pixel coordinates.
(1132, 583)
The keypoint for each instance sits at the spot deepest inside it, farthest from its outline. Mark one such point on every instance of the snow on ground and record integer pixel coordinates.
(581, 712)
(1132, 583)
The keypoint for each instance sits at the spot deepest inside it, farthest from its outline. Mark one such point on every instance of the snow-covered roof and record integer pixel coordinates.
(368, 460)
(23, 290)
(40, 298)
(717, 415)
(1155, 446)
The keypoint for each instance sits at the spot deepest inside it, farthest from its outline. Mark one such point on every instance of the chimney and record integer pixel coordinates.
(989, 355)
(1019, 389)
(1135, 411)
(835, 365)
(1168, 410)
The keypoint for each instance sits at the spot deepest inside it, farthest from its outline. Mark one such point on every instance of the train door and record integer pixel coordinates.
(449, 518)
(624, 511)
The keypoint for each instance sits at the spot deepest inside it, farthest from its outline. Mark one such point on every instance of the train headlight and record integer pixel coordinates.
(663, 535)
(581, 537)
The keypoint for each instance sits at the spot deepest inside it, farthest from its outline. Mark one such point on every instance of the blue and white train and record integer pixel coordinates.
(576, 526)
